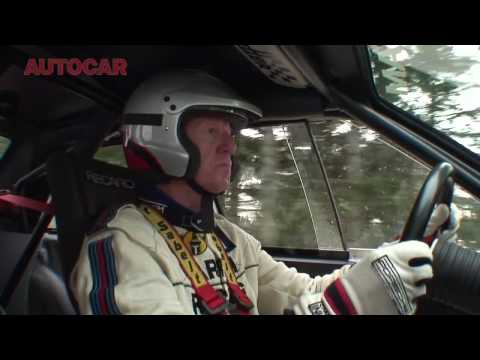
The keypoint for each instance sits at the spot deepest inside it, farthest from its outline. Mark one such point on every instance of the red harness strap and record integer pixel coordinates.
(244, 303)
(24, 202)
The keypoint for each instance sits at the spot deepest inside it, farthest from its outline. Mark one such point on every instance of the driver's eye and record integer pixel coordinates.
(213, 132)
(216, 133)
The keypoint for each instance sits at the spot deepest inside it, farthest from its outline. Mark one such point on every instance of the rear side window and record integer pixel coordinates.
(112, 154)
(4, 145)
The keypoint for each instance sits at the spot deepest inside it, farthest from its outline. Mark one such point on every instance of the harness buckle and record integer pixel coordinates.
(240, 297)
(216, 305)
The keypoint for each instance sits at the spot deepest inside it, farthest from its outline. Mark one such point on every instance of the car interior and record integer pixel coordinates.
(56, 124)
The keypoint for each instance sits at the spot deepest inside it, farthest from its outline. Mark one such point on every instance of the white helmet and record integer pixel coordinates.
(154, 136)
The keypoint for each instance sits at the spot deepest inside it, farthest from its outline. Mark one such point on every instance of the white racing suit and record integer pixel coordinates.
(127, 268)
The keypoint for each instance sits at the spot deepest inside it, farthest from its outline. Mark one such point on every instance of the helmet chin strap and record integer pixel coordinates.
(206, 212)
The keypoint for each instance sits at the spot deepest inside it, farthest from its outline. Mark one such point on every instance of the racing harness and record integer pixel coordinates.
(213, 301)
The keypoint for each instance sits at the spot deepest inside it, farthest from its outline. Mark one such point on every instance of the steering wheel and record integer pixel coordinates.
(437, 189)
(456, 280)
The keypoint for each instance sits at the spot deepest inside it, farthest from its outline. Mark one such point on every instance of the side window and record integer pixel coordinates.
(278, 194)
(4, 144)
(52, 227)
(375, 184)
(112, 154)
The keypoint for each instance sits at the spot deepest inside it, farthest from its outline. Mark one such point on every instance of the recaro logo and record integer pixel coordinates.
(110, 181)
(76, 67)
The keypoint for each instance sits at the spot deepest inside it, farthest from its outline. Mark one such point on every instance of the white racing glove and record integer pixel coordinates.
(439, 216)
(387, 281)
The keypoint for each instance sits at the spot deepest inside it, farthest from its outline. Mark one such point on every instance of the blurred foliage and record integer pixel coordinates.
(266, 196)
(436, 84)
(112, 154)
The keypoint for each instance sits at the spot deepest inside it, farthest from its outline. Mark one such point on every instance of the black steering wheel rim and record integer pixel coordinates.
(456, 280)
(438, 188)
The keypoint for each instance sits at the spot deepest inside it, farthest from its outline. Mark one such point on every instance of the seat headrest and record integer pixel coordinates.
(83, 189)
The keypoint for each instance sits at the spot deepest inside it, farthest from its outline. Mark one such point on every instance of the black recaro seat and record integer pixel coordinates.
(81, 192)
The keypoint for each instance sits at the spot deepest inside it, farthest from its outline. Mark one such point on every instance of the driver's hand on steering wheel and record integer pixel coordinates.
(389, 279)
(386, 282)
(440, 215)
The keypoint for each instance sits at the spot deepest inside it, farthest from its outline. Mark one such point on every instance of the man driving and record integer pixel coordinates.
(170, 253)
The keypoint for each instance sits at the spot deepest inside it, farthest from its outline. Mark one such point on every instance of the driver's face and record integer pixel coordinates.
(212, 135)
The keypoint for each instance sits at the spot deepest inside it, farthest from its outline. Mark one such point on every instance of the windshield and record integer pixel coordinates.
(439, 84)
